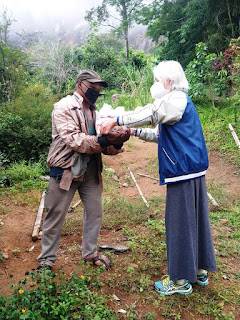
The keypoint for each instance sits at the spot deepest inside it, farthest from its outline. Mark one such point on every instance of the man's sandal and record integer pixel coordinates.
(116, 248)
(103, 259)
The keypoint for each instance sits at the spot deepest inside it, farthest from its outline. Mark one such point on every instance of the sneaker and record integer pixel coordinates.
(168, 287)
(202, 279)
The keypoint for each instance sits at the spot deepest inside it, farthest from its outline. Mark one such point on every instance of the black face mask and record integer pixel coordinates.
(91, 94)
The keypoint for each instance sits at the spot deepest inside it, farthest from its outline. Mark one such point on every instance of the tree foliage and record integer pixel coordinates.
(126, 10)
(54, 62)
(13, 77)
(25, 126)
(184, 23)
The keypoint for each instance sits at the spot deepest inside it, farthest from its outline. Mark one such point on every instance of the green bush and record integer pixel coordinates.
(99, 56)
(47, 299)
(25, 128)
(22, 171)
(137, 58)
(3, 176)
(13, 76)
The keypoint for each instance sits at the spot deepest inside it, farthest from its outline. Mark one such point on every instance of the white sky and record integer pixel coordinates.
(47, 7)
(35, 14)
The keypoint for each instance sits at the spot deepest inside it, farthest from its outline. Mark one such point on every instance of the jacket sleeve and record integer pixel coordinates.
(148, 134)
(69, 131)
(168, 109)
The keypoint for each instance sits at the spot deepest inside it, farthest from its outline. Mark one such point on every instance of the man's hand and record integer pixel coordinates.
(115, 138)
(118, 137)
(108, 125)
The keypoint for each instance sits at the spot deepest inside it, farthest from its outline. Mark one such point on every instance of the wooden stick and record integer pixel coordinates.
(139, 190)
(38, 218)
(234, 135)
(74, 206)
(44, 177)
(214, 202)
(145, 175)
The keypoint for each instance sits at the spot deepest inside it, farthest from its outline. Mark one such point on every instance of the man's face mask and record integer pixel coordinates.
(91, 94)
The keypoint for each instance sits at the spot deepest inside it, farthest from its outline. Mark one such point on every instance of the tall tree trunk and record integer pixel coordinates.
(126, 42)
(125, 21)
(230, 19)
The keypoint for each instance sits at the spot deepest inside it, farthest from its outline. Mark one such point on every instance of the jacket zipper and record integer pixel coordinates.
(168, 156)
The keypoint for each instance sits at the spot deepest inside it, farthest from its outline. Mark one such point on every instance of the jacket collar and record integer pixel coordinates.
(79, 99)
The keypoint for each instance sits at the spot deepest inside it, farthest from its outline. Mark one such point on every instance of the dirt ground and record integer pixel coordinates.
(18, 220)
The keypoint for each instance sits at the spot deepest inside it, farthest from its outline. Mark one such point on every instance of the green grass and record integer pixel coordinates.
(217, 134)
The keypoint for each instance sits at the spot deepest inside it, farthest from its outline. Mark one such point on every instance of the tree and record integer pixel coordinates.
(54, 61)
(12, 75)
(185, 23)
(100, 54)
(5, 24)
(127, 10)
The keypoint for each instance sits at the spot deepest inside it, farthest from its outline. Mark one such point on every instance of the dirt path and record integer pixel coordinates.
(18, 220)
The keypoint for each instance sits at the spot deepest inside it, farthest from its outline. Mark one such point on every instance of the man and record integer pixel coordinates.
(75, 165)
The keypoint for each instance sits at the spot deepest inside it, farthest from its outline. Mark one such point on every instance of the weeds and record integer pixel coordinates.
(41, 297)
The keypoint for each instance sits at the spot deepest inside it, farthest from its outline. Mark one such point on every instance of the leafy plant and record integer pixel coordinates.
(16, 251)
(23, 172)
(40, 297)
(27, 124)
(3, 176)
(1, 257)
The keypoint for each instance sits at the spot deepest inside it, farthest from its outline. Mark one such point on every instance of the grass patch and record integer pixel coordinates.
(216, 131)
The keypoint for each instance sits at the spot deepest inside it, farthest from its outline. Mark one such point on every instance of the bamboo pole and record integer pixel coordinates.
(214, 202)
(145, 175)
(234, 135)
(38, 218)
(139, 190)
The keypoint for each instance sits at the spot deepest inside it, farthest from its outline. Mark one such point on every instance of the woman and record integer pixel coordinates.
(183, 162)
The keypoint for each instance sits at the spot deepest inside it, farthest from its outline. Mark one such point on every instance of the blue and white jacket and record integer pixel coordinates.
(182, 151)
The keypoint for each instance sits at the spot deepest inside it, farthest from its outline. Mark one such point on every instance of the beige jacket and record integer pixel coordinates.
(70, 137)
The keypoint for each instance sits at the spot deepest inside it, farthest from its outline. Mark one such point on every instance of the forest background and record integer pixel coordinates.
(40, 68)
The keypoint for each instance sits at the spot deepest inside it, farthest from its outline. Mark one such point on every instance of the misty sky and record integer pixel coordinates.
(44, 14)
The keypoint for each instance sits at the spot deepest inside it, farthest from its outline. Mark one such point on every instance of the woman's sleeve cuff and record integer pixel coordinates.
(119, 121)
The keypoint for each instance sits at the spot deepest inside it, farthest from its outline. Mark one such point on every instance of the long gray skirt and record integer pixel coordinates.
(188, 233)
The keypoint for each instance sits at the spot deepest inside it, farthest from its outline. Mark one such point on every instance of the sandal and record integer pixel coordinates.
(104, 259)
(117, 248)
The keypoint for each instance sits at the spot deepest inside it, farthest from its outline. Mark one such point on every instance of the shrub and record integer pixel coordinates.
(137, 58)
(22, 171)
(25, 128)
(99, 56)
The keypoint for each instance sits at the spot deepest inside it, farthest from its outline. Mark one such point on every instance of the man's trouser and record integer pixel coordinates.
(57, 202)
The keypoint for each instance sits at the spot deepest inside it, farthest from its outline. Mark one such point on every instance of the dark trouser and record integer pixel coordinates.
(57, 203)
(188, 234)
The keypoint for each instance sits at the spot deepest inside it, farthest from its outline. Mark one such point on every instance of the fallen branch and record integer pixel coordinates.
(214, 202)
(139, 190)
(74, 206)
(38, 218)
(145, 175)
(234, 135)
